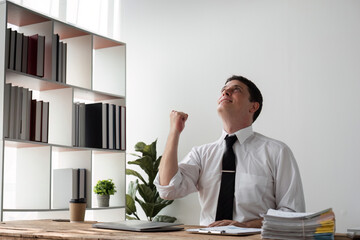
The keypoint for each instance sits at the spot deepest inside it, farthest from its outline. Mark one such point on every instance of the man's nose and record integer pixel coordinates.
(226, 92)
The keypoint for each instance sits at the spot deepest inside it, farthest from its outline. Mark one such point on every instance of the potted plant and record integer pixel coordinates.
(148, 197)
(103, 189)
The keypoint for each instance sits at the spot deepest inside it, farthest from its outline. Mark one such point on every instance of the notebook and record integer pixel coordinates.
(226, 230)
(139, 226)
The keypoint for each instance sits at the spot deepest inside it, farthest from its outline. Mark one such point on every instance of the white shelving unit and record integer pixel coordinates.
(95, 73)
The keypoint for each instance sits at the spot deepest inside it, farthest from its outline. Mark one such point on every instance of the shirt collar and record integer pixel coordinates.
(241, 135)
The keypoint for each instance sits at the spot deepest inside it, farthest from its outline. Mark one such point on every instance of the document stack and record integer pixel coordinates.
(294, 225)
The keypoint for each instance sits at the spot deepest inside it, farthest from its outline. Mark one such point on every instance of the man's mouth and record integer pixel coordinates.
(225, 100)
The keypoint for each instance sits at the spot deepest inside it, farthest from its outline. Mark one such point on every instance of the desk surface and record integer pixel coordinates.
(48, 229)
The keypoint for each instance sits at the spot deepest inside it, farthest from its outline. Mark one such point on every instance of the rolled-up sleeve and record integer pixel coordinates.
(289, 190)
(185, 180)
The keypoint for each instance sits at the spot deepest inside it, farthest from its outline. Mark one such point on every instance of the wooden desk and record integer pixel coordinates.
(48, 229)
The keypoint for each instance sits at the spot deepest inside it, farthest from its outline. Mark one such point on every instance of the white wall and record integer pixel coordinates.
(304, 55)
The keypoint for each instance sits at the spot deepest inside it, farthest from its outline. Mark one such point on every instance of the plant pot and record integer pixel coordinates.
(103, 200)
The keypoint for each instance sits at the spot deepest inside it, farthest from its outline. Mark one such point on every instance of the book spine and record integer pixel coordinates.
(24, 113)
(33, 120)
(39, 105)
(45, 122)
(54, 55)
(12, 49)
(7, 99)
(7, 47)
(25, 54)
(40, 56)
(18, 51)
(32, 54)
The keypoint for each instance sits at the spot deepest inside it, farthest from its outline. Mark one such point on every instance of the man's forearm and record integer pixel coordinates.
(256, 223)
(169, 161)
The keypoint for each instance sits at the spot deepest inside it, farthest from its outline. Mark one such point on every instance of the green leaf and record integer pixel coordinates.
(136, 174)
(148, 194)
(105, 187)
(164, 218)
(130, 205)
(132, 188)
(145, 163)
(131, 218)
(135, 155)
(158, 207)
(147, 207)
(157, 163)
(149, 201)
(140, 146)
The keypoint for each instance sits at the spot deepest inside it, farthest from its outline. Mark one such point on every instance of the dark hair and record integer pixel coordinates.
(255, 94)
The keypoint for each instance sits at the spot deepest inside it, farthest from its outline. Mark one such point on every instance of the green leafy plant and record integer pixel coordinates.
(149, 198)
(105, 187)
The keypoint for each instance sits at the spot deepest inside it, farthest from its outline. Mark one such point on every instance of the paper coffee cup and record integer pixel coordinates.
(77, 210)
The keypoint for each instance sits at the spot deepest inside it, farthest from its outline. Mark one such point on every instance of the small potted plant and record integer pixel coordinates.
(103, 189)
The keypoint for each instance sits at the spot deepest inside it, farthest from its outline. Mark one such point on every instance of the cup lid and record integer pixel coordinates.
(78, 200)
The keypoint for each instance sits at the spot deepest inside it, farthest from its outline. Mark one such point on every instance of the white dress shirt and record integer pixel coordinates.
(267, 176)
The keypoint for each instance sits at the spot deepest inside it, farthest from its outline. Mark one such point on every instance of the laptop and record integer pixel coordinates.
(139, 226)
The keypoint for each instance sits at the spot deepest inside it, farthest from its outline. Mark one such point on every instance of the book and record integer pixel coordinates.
(75, 124)
(40, 56)
(93, 125)
(45, 122)
(82, 183)
(7, 99)
(18, 51)
(123, 128)
(24, 110)
(65, 186)
(28, 118)
(111, 125)
(105, 126)
(226, 230)
(54, 55)
(59, 61)
(18, 108)
(63, 64)
(82, 125)
(12, 53)
(117, 126)
(32, 120)
(24, 54)
(38, 120)
(139, 226)
(7, 47)
(13, 106)
(294, 225)
(32, 54)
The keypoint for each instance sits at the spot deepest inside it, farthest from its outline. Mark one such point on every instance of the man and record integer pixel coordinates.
(264, 173)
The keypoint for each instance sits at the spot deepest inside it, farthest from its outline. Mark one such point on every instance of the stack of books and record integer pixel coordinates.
(25, 53)
(294, 225)
(99, 125)
(25, 118)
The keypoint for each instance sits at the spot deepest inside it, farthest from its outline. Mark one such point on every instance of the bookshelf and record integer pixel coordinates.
(94, 73)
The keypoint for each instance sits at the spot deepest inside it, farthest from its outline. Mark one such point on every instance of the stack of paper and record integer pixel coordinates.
(294, 225)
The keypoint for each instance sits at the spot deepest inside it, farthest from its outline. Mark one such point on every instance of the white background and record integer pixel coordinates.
(304, 55)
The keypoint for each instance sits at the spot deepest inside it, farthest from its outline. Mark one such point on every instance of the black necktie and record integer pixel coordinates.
(226, 195)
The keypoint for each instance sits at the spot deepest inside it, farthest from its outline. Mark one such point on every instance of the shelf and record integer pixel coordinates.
(21, 17)
(62, 209)
(66, 31)
(95, 73)
(19, 143)
(32, 82)
(102, 42)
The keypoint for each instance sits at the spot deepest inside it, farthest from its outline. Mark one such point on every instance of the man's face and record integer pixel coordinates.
(234, 100)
